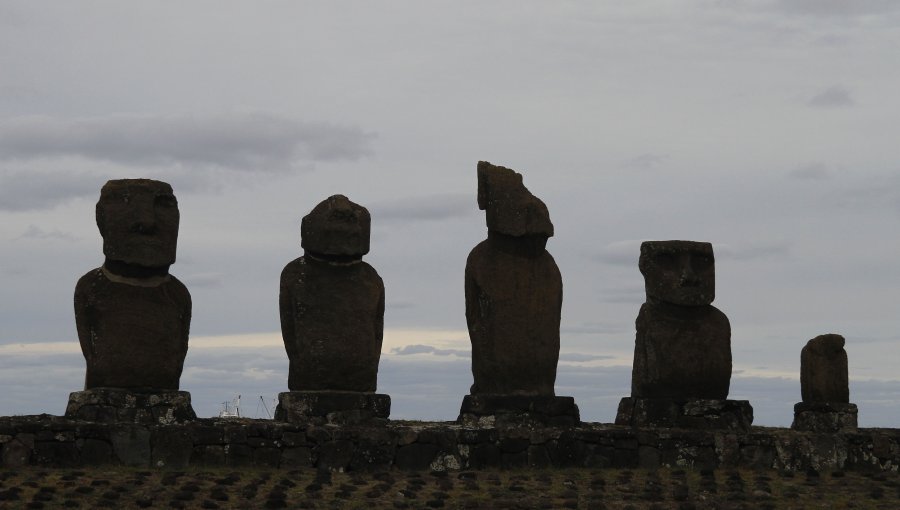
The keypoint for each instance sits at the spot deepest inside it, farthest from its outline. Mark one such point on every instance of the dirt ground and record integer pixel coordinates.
(124, 488)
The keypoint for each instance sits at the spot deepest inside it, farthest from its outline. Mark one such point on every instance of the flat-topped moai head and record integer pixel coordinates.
(332, 303)
(511, 209)
(679, 272)
(132, 316)
(823, 370)
(138, 219)
(337, 228)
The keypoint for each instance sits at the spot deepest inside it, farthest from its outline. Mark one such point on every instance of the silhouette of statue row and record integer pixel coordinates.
(133, 319)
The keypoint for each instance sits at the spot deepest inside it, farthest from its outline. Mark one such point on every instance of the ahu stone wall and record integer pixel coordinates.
(52, 441)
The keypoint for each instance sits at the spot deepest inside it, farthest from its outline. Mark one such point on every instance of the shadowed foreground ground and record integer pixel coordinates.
(571, 488)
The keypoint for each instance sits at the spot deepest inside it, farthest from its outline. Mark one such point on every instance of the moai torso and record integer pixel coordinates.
(133, 318)
(683, 343)
(513, 291)
(332, 303)
(823, 370)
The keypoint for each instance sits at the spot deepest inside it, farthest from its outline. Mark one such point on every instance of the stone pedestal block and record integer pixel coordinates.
(825, 417)
(332, 407)
(513, 410)
(691, 414)
(112, 405)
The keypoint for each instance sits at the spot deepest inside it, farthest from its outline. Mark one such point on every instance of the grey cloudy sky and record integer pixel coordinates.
(766, 127)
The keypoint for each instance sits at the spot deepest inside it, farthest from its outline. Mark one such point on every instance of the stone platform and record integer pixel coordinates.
(113, 405)
(734, 415)
(825, 417)
(515, 410)
(332, 407)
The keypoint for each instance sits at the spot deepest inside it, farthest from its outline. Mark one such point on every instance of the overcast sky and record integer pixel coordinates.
(768, 128)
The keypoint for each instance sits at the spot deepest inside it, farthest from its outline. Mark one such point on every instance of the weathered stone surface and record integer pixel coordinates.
(54, 442)
(683, 344)
(336, 227)
(513, 291)
(823, 370)
(332, 303)
(825, 417)
(690, 414)
(132, 316)
(110, 405)
(484, 410)
(332, 407)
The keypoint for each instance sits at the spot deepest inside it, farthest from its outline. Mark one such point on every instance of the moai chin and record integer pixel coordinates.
(513, 303)
(682, 354)
(824, 387)
(332, 319)
(132, 316)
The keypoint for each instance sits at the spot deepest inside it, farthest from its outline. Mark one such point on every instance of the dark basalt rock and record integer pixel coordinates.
(513, 305)
(132, 317)
(513, 291)
(332, 407)
(823, 370)
(704, 414)
(825, 388)
(332, 304)
(683, 343)
(518, 410)
(825, 417)
(682, 353)
(111, 405)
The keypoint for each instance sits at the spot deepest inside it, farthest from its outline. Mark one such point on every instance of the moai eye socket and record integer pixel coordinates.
(665, 260)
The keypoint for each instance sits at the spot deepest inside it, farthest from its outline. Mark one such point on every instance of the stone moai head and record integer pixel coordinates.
(336, 227)
(511, 209)
(679, 272)
(823, 370)
(138, 219)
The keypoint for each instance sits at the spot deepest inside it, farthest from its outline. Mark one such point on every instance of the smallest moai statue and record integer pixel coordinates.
(682, 352)
(332, 320)
(824, 387)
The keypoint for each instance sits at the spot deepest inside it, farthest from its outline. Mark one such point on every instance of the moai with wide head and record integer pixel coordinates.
(332, 320)
(513, 304)
(132, 316)
(824, 388)
(682, 352)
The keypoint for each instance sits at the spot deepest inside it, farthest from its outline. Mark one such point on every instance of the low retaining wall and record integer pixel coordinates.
(53, 441)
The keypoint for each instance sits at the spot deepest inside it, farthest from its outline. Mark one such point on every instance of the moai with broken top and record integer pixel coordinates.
(682, 353)
(513, 303)
(824, 388)
(132, 316)
(332, 321)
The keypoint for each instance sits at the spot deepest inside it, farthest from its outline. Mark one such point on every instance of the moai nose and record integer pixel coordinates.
(688, 276)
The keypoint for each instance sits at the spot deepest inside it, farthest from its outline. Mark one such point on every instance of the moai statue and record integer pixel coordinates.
(682, 352)
(332, 320)
(824, 387)
(132, 316)
(513, 304)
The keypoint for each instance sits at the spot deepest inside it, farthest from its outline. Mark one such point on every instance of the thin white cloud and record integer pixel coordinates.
(832, 97)
(35, 232)
(35, 190)
(837, 8)
(253, 142)
(645, 161)
(811, 171)
(752, 251)
(425, 208)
